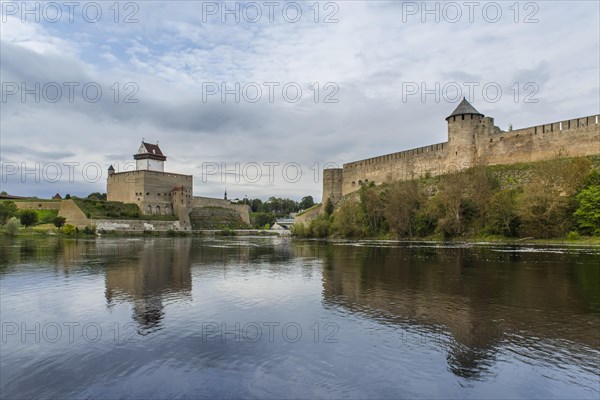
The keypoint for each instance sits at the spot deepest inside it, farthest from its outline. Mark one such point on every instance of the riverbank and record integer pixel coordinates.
(51, 231)
(593, 241)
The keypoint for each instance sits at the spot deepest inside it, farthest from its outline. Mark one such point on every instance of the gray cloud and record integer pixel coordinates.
(370, 54)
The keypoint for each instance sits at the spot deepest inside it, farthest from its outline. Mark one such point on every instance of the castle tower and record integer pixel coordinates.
(111, 170)
(332, 184)
(149, 157)
(464, 126)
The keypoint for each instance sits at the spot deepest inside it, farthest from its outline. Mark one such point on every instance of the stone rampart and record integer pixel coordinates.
(37, 205)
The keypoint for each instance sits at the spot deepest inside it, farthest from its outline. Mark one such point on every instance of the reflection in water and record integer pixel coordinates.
(154, 272)
(158, 269)
(478, 296)
(470, 319)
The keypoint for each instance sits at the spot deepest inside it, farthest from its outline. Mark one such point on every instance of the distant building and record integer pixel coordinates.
(157, 192)
(57, 196)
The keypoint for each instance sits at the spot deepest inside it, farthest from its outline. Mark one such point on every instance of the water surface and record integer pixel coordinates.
(278, 318)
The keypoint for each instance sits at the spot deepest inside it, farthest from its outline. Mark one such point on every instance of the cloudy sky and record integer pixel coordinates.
(289, 87)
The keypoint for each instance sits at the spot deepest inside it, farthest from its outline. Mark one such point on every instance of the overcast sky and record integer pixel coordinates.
(161, 68)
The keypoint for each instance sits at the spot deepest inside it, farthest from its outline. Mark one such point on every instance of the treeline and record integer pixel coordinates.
(265, 213)
(553, 199)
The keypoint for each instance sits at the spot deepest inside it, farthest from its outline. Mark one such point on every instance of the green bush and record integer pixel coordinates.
(319, 227)
(59, 221)
(89, 230)
(587, 214)
(299, 230)
(28, 217)
(8, 209)
(502, 213)
(573, 235)
(69, 229)
(260, 219)
(12, 226)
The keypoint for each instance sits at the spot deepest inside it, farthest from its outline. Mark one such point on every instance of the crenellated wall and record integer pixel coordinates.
(472, 139)
(576, 137)
(396, 166)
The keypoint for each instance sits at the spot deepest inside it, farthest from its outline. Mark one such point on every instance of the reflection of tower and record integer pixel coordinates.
(371, 282)
(144, 281)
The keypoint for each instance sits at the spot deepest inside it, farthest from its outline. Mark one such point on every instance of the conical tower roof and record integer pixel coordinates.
(464, 108)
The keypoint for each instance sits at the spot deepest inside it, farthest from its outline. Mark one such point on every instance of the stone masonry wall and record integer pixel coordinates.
(577, 137)
(471, 140)
(136, 225)
(37, 205)
(150, 190)
(396, 166)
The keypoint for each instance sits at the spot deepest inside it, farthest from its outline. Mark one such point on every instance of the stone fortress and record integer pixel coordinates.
(472, 140)
(157, 192)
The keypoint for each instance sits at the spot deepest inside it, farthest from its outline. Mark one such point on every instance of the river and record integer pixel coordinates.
(273, 317)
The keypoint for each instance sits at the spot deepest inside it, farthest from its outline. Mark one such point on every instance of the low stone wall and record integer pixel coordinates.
(37, 205)
(135, 225)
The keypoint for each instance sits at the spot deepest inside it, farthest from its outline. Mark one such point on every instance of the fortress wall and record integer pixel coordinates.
(575, 137)
(242, 209)
(396, 166)
(332, 184)
(471, 140)
(136, 225)
(157, 187)
(150, 190)
(123, 186)
(35, 205)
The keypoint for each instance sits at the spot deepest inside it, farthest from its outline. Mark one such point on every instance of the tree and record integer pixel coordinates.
(547, 204)
(319, 227)
(262, 219)
(349, 220)
(28, 217)
(328, 207)
(97, 196)
(455, 209)
(373, 207)
(12, 226)
(502, 213)
(587, 215)
(306, 203)
(59, 221)
(543, 212)
(400, 209)
(8, 209)
(67, 196)
(256, 205)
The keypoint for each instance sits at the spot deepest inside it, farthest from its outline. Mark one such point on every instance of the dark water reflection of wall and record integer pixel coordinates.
(473, 299)
(480, 296)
